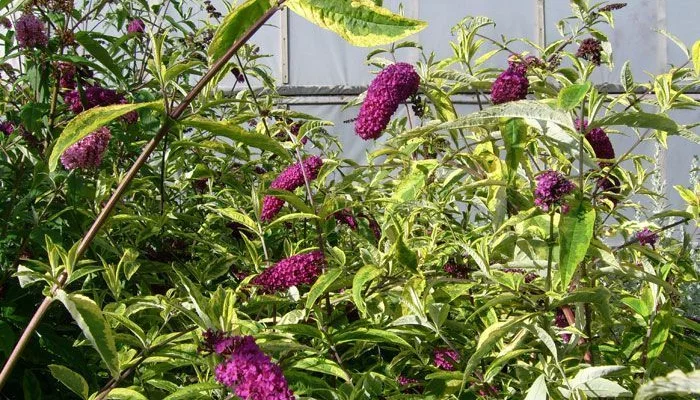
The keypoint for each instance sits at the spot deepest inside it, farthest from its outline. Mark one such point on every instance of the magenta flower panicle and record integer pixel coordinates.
(444, 358)
(31, 32)
(647, 236)
(551, 188)
(511, 84)
(88, 151)
(249, 372)
(296, 270)
(290, 179)
(136, 26)
(388, 90)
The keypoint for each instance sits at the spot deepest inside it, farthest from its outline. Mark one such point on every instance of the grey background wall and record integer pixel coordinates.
(319, 72)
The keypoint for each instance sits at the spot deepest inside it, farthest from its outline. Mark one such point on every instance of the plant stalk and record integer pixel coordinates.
(172, 116)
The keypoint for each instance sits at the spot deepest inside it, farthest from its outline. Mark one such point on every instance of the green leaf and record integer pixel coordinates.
(659, 335)
(572, 96)
(88, 121)
(538, 390)
(190, 391)
(96, 50)
(92, 322)
(487, 339)
(360, 22)
(31, 388)
(591, 373)
(575, 234)
(234, 25)
(601, 387)
(238, 217)
(362, 277)
(626, 77)
(599, 296)
(322, 365)
(125, 394)
(237, 134)
(72, 380)
(514, 134)
(370, 335)
(695, 56)
(677, 382)
(637, 120)
(322, 284)
(196, 298)
(411, 184)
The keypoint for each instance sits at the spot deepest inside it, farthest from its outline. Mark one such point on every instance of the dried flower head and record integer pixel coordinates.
(31, 32)
(590, 49)
(459, 271)
(250, 372)
(6, 23)
(551, 188)
(647, 236)
(560, 321)
(388, 90)
(346, 217)
(88, 151)
(445, 358)
(612, 7)
(290, 179)
(296, 270)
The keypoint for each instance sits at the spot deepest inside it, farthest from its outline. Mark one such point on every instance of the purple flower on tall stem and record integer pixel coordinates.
(599, 141)
(388, 90)
(444, 358)
(647, 236)
(290, 179)
(511, 84)
(590, 49)
(249, 372)
(31, 32)
(551, 188)
(292, 271)
(88, 151)
(136, 26)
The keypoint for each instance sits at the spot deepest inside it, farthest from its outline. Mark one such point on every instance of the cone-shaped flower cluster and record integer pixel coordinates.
(136, 26)
(551, 188)
(647, 236)
(388, 90)
(296, 270)
(511, 85)
(247, 370)
(445, 358)
(88, 152)
(290, 179)
(599, 140)
(96, 96)
(590, 49)
(31, 32)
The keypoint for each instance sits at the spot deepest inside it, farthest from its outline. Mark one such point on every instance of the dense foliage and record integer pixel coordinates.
(513, 252)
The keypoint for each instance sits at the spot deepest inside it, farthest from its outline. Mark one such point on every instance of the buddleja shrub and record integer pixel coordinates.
(514, 252)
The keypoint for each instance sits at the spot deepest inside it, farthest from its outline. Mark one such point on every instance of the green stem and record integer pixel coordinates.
(550, 244)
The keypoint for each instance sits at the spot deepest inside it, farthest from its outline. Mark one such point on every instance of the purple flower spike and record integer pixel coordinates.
(292, 271)
(599, 140)
(7, 127)
(290, 179)
(346, 217)
(647, 236)
(511, 85)
(445, 358)
(136, 26)
(88, 152)
(552, 186)
(251, 374)
(31, 32)
(388, 90)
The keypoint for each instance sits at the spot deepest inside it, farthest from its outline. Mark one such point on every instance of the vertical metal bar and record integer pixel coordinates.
(541, 24)
(284, 44)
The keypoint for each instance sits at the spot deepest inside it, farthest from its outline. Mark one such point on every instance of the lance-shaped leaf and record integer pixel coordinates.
(360, 22)
(514, 134)
(637, 120)
(88, 315)
(71, 379)
(571, 96)
(677, 382)
(238, 134)
(88, 121)
(575, 234)
(235, 25)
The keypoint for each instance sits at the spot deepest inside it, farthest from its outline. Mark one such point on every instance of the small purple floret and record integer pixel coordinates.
(292, 271)
(551, 188)
(31, 32)
(445, 358)
(136, 26)
(647, 236)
